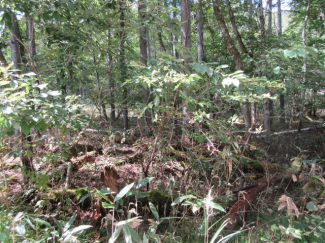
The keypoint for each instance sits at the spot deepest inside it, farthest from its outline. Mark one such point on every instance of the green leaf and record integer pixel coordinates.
(311, 206)
(103, 195)
(230, 81)
(213, 205)
(42, 222)
(73, 231)
(107, 205)
(154, 210)
(25, 128)
(70, 6)
(124, 191)
(277, 70)
(54, 93)
(182, 198)
(115, 235)
(41, 125)
(144, 182)
(289, 54)
(3, 237)
(69, 223)
(134, 235)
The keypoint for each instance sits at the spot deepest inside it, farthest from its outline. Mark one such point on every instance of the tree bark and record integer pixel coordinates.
(236, 55)
(14, 44)
(186, 43)
(30, 36)
(279, 33)
(234, 26)
(199, 33)
(266, 118)
(144, 59)
(250, 13)
(230, 43)
(122, 65)
(260, 14)
(269, 17)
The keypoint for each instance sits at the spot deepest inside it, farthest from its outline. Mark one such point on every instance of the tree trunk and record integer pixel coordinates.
(266, 118)
(199, 33)
(14, 47)
(27, 157)
(260, 14)
(30, 36)
(269, 17)
(122, 65)
(304, 66)
(250, 14)
(236, 55)
(186, 43)
(144, 59)
(279, 33)
(17, 34)
(234, 26)
(225, 33)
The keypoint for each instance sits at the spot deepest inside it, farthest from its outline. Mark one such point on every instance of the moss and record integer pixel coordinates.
(161, 200)
(59, 195)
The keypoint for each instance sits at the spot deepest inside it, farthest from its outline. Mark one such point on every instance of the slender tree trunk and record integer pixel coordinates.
(30, 36)
(279, 33)
(186, 43)
(17, 34)
(199, 33)
(144, 59)
(260, 14)
(304, 66)
(15, 51)
(234, 26)
(225, 33)
(266, 118)
(123, 65)
(269, 17)
(250, 14)
(245, 107)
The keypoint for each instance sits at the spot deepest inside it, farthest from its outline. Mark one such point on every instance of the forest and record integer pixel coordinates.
(162, 121)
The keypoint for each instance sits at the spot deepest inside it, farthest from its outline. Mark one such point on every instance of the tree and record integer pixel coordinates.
(186, 43)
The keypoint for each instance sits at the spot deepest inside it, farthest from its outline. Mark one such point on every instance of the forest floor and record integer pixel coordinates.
(128, 155)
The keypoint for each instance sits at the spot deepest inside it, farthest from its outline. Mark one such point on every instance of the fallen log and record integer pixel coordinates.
(239, 208)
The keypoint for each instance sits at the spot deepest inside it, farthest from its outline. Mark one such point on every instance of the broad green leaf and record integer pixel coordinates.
(124, 191)
(144, 182)
(230, 81)
(3, 237)
(181, 198)
(4, 83)
(85, 197)
(289, 54)
(76, 230)
(69, 223)
(54, 93)
(25, 128)
(154, 210)
(107, 205)
(213, 205)
(103, 195)
(115, 235)
(43, 222)
(134, 235)
(41, 125)
(277, 70)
